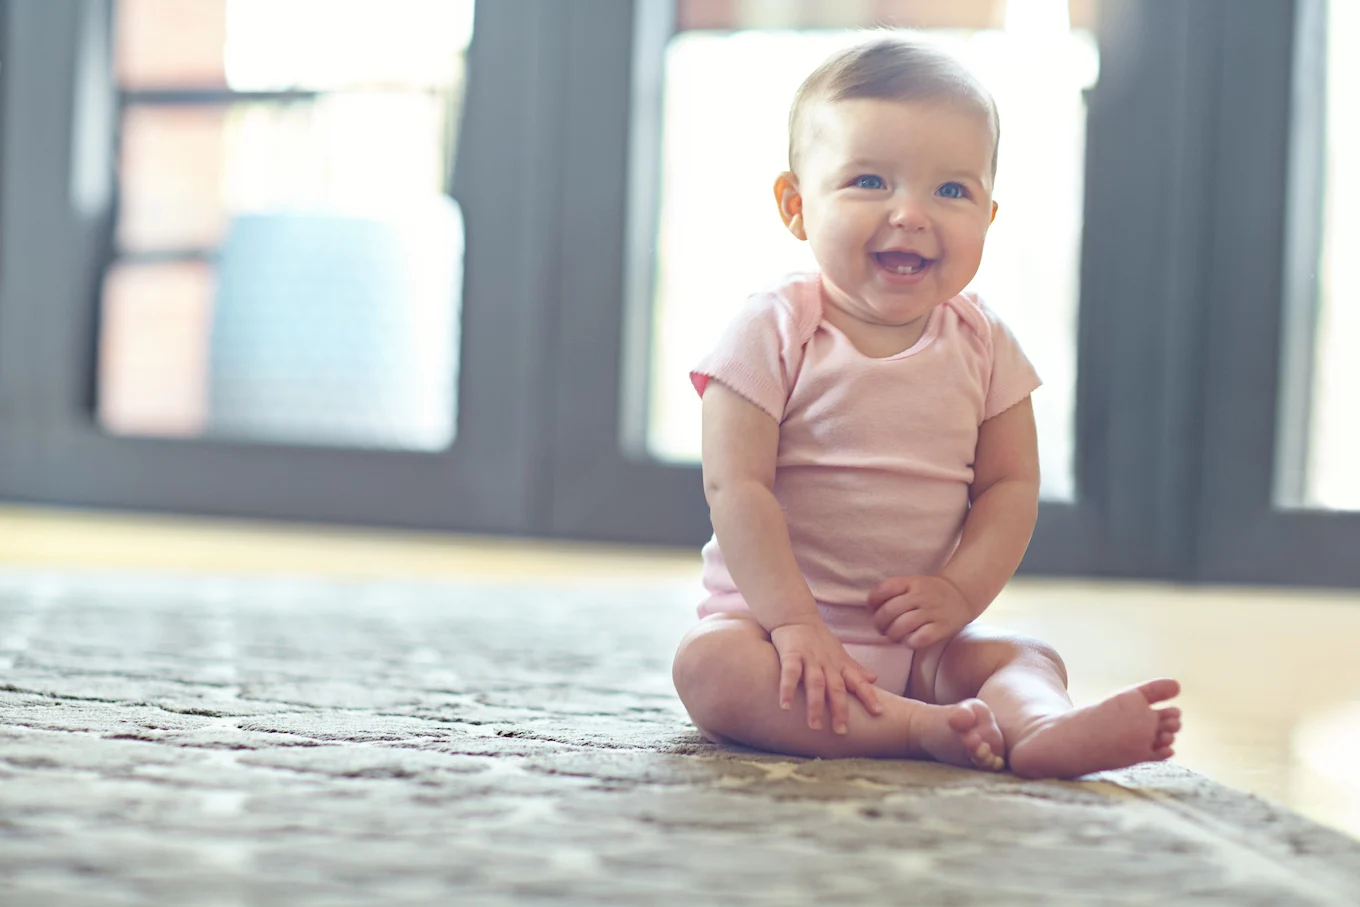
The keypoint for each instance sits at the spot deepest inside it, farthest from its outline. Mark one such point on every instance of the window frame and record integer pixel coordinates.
(52, 449)
(1263, 306)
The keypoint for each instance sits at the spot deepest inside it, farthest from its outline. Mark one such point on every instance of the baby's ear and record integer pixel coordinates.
(790, 203)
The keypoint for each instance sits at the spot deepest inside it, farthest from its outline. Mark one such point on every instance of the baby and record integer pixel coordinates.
(870, 461)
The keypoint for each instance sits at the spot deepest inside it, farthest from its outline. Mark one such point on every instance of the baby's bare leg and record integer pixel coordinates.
(1025, 683)
(727, 674)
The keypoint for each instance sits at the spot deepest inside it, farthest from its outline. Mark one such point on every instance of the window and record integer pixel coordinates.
(285, 263)
(284, 171)
(730, 73)
(1278, 497)
(1333, 482)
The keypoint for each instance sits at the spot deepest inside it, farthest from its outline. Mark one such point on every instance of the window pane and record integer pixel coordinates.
(153, 372)
(267, 45)
(1334, 449)
(170, 176)
(329, 329)
(285, 184)
(170, 43)
(186, 171)
(724, 138)
(330, 44)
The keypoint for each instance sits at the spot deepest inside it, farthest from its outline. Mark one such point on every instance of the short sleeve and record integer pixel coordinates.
(1013, 377)
(758, 355)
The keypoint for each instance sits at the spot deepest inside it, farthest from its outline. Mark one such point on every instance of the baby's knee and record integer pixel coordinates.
(998, 649)
(703, 661)
(1030, 648)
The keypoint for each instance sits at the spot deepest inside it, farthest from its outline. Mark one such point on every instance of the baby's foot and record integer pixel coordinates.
(1121, 731)
(965, 734)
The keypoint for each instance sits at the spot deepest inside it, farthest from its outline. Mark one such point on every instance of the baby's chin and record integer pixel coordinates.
(880, 305)
(893, 296)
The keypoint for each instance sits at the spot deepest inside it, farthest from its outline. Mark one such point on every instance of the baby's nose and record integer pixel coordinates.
(909, 215)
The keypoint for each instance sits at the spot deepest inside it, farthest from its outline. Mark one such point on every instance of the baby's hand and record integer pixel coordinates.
(919, 611)
(810, 653)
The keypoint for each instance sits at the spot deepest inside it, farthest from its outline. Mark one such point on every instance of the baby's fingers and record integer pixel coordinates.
(889, 588)
(927, 636)
(906, 624)
(790, 672)
(814, 685)
(840, 706)
(890, 611)
(864, 691)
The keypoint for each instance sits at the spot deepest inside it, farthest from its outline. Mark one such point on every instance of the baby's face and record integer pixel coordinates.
(895, 199)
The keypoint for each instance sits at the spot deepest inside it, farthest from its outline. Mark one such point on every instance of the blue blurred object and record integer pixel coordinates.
(339, 329)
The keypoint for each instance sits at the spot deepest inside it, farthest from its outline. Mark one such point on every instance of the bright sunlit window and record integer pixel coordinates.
(287, 261)
(724, 140)
(1334, 449)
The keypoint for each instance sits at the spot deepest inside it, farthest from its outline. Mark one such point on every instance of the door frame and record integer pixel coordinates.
(1133, 516)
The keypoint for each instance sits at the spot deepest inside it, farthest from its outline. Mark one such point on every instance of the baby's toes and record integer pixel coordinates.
(986, 746)
(979, 750)
(984, 758)
(1164, 740)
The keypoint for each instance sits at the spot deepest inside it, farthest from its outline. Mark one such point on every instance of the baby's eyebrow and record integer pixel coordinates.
(863, 163)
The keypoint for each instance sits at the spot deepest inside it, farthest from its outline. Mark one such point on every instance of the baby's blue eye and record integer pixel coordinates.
(952, 190)
(869, 181)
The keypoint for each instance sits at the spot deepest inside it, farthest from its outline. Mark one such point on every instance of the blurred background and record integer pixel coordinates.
(442, 266)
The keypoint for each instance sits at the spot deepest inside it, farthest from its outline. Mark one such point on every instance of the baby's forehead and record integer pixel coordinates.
(845, 112)
(860, 124)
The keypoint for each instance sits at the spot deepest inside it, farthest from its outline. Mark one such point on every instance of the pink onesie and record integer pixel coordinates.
(875, 455)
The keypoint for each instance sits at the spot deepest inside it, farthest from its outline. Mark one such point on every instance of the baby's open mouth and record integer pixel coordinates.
(902, 262)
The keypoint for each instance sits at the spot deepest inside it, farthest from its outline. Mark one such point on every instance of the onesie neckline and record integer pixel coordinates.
(924, 341)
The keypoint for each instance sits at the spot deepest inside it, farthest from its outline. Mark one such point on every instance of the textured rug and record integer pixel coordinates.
(189, 740)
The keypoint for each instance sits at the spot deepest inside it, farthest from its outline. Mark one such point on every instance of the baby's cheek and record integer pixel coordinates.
(837, 224)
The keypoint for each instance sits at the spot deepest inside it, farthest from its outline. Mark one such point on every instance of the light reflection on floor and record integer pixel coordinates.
(1271, 680)
(1326, 785)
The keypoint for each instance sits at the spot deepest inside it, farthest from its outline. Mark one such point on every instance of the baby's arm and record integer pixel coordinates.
(740, 446)
(1005, 504)
(922, 610)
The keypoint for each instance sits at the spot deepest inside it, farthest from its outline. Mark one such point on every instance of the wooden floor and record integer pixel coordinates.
(1271, 677)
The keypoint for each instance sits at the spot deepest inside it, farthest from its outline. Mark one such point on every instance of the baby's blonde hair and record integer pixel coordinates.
(891, 68)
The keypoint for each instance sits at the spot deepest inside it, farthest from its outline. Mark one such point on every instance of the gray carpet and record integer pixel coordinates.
(186, 741)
